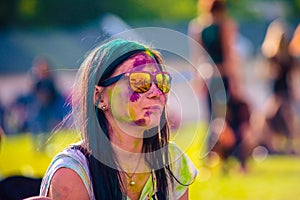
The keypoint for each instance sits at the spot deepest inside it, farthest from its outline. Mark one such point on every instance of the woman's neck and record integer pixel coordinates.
(130, 141)
(127, 142)
(128, 150)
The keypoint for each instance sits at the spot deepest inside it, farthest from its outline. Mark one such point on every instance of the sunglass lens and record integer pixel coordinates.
(163, 82)
(140, 82)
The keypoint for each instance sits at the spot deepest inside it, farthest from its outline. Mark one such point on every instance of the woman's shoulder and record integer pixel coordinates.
(69, 157)
(69, 165)
(174, 149)
(183, 169)
(67, 184)
(180, 161)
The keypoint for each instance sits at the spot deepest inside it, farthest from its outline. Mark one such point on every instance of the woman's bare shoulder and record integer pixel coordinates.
(67, 184)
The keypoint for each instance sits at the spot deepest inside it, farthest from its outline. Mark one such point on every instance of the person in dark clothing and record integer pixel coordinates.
(218, 38)
(238, 118)
(280, 117)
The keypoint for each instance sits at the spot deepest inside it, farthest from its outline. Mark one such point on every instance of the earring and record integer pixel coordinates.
(104, 107)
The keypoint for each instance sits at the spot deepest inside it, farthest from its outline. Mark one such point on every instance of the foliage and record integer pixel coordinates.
(76, 12)
(52, 13)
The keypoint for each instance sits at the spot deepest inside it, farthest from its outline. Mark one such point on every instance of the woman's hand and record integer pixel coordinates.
(37, 198)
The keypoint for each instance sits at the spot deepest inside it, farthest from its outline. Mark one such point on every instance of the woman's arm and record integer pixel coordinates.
(66, 184)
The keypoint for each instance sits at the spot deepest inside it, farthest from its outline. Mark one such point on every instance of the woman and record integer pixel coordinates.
(119, 105)
(279, 111)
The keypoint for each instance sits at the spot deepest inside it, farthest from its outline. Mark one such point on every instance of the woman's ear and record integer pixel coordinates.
(98, 95)
(99, 98)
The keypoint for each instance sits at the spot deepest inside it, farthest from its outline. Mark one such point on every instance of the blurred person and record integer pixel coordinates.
(238, 118)
(195, 27)
(42, 108)
(48, 107)
(197, 24)
(16, 117)
(234, 135)
(41, 69)
(294, 46)
(279, 114)
(294, 49)
(219, 39)
(217, 34)
(119, 103)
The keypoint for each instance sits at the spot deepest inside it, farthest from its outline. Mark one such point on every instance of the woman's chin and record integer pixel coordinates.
(141, 122)
(147, 122)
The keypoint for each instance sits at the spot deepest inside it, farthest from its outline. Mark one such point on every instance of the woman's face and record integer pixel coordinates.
(130, 108)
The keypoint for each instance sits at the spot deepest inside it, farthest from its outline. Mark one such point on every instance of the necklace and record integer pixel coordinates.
(130, 177)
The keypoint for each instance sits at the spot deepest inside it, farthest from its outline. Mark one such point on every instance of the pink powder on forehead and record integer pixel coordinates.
(143, 60)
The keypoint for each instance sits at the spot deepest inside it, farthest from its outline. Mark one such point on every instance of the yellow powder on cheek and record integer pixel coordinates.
(119, 104)
(131, 112)
(115, 100)
(136, 143)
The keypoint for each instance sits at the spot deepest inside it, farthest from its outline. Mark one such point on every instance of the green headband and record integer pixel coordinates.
(116, 63)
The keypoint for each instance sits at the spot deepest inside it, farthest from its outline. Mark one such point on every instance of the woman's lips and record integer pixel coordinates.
(153, 109)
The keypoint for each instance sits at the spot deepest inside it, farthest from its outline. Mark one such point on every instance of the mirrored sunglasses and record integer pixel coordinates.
(141, 82)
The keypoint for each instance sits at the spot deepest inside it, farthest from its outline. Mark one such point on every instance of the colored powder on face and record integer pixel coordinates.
(113, 93)
(147, 114)
(135, 144)
(143, 60)
(140, 122)
(134, 97)
(132, 114)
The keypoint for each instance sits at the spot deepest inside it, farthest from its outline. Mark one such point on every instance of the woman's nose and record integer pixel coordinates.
(154, 91)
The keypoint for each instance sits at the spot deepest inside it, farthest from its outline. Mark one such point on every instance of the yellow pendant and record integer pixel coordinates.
(132, 183)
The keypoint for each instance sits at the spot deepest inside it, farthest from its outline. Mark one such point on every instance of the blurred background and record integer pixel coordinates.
(42, 44)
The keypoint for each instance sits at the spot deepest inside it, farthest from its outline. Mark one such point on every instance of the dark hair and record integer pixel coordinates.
(150, 144)
(91, 121)
(218, 6)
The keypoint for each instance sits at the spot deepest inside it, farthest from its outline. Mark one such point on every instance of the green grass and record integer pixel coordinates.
(26, 155)
(274, 178)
